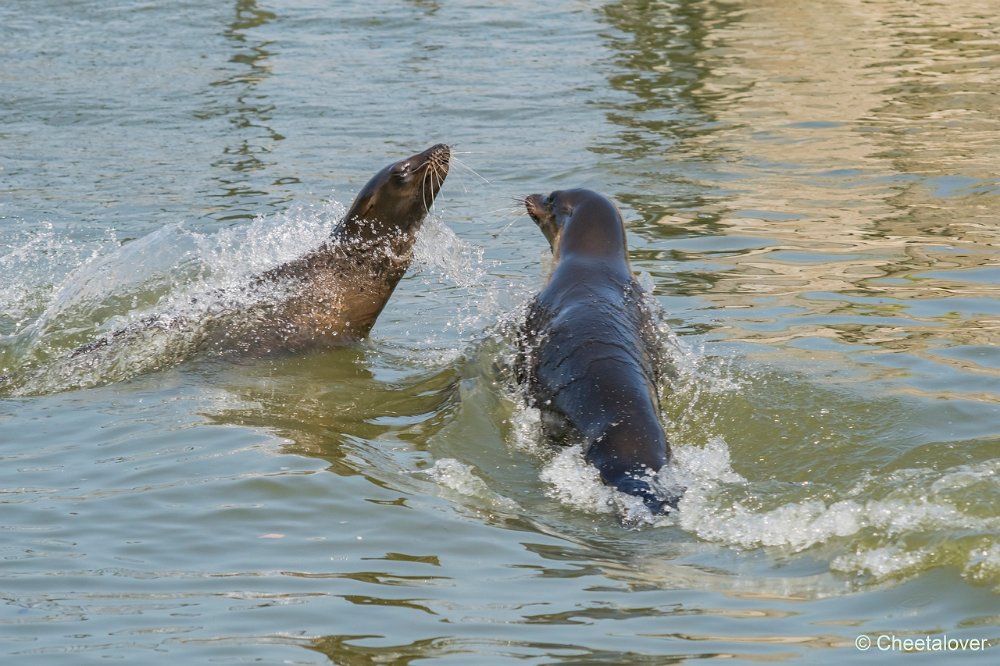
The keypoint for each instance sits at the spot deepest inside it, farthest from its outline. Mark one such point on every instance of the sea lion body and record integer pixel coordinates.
(590, 358)
(339, 289)
(332, 295)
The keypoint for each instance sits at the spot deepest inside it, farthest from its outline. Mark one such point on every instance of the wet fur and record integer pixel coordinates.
(589, 350)
(337, 291)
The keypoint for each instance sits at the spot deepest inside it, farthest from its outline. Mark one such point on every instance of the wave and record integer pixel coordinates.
(845, 483)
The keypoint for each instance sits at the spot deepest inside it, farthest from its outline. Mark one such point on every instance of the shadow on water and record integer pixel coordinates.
(354, 407)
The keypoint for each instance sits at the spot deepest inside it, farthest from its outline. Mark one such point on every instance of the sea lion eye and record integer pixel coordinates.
(402, 170)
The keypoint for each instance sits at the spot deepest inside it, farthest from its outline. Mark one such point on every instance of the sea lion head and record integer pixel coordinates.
(579, 222)
(396, 199)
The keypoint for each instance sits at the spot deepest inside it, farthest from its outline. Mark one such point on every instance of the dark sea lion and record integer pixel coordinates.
(589, 351)
(334, 293)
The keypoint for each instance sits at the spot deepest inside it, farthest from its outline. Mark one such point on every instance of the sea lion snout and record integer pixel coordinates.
(429, 167)
(533, 203)
(437, 157)
(541, 210)
(438, 151)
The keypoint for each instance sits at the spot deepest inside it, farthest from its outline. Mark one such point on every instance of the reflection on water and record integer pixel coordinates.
(851, 149)
(828, 188)
(332, 406)
(659, 66)
(237, 97)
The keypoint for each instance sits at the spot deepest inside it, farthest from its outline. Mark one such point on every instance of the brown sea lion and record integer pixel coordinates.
(333, 294)
(589, 351)
(339, 289)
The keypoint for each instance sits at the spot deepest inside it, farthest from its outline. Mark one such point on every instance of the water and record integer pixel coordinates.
(812, 190)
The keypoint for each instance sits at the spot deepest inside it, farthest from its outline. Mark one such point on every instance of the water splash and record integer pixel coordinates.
(869, 523)
(457, 476)
(461, 289)
(438, 250)
(33, 263)
(461, 479)
(163, 290)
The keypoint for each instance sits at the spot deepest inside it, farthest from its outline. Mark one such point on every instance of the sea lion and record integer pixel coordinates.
(340, 288)
(337, 291)
(589, 355)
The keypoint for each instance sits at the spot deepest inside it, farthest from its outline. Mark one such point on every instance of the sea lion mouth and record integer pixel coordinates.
(533, 204)
(434, 163)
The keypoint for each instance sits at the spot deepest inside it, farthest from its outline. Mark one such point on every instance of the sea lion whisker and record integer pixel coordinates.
(423, 189)
(470, 169)
(434, 176)
(432, 182)
(506, 210)
(436, 180)
(506, 227)
(462, 181)
(515, 215)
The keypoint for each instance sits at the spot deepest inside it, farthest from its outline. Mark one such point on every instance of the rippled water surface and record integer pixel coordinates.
(812, 189)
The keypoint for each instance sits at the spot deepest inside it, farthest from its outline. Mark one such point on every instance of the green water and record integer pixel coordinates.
(812, 189)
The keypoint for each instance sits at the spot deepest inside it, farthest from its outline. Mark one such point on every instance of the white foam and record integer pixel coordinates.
(575, 483)
(457, 476)
(983, 564)
(881, 562)
(461, 478)
(173, 275)
(711, 513)
(526, 429)
(706, 466)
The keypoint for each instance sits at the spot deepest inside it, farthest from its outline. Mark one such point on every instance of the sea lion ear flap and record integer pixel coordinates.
(361, 209)
(357, 223)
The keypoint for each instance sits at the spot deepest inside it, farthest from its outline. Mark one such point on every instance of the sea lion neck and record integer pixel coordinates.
(590, 226)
